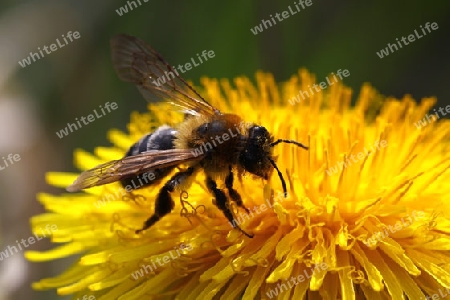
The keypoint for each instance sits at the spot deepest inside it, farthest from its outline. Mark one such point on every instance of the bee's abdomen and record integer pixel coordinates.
(162, 139)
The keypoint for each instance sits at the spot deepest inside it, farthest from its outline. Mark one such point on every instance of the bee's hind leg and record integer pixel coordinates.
(234, 195)
(221, 203)
(164, 202)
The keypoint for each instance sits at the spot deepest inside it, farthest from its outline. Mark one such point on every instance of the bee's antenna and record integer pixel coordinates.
(283, 183)
(288, 142)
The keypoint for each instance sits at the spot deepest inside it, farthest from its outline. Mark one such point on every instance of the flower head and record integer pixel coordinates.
(366, 213)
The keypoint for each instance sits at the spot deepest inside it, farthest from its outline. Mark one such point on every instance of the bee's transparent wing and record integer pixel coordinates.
(137, 62)
(129, 166)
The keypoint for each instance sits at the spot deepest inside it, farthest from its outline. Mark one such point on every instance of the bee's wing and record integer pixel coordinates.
(137, 164)
(137, 62)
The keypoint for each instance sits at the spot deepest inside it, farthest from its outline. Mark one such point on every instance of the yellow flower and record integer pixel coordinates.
(366, 217)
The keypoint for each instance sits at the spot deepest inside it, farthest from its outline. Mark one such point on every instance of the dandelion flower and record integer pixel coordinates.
(366, 215)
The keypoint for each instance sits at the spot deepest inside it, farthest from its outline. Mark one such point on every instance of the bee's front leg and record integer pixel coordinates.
(221, 203)
(234, 195)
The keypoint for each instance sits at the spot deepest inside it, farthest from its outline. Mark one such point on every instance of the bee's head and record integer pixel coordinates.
(256, 157)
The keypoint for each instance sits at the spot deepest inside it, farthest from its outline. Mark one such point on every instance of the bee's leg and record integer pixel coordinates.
(234, 195)
(221, 203)
(164, 203)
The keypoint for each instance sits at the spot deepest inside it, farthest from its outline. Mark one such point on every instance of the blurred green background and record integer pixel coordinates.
(40, 99)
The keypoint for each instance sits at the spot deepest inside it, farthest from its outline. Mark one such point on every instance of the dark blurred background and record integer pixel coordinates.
(40, 99)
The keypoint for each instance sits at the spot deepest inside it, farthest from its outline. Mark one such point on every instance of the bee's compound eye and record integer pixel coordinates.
(203, 129)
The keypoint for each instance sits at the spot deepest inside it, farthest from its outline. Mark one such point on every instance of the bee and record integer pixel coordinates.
(219, 144)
